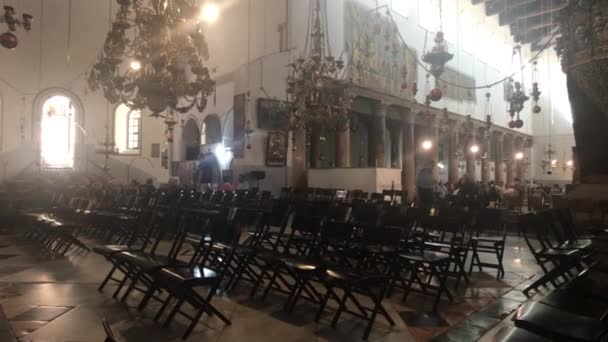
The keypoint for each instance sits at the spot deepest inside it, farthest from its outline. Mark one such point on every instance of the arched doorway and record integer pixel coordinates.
(191, 141)
(57, 132)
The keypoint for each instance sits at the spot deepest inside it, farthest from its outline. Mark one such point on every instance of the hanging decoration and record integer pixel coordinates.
(488, 115)
(516, 105)
(518, 97)
(8, 39)
(150, 59)
(535, 91)
(548, 163)
(437, 57)
(316, 88)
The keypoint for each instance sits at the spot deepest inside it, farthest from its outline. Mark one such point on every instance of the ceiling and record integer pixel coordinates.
(531, 21)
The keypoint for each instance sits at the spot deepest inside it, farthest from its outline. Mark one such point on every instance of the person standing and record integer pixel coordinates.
(425, 185)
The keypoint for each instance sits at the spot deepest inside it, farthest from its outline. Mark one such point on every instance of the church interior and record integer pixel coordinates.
(314, 170)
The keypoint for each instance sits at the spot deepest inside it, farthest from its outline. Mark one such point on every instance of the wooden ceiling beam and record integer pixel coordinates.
(534, 10)
(500, 6)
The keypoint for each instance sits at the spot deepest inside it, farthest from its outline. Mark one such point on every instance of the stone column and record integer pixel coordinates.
(499, 175)
(298, 167)
(343, 150)
(485, 161)
(434, 152)
(395, 135)
(453, 174)
(408, 153)
(380, 134)
(471, 159)
(510, 159)
(519, 168)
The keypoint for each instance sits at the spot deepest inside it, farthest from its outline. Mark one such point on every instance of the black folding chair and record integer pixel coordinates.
(489, 237)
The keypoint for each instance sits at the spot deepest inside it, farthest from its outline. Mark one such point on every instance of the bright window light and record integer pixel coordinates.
(127, 129)
(57, 134)
(400, 7)
(210, 12)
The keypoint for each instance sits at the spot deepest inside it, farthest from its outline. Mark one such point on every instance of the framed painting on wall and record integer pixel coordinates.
(276, 148)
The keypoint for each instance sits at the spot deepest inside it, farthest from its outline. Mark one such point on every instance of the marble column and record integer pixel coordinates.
(343, 150)
(499, 175)
(453, 170)
(408, 153)
(510, 159)
(395, 137)
(471, 159)
(434, 152)
(380, 134)
(519, 168)
(298, 168)
(485, 161)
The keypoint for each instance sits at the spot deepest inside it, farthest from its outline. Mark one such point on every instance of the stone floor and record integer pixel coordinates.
(51, 298)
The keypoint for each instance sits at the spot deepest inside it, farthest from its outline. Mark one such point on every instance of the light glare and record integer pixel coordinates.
(427, 145)
(474, 149)
(519, 156)
(135, 65)
(210, 12)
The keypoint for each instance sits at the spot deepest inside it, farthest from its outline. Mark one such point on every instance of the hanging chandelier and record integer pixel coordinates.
(317, 91)
(8, 39)
(153, 57)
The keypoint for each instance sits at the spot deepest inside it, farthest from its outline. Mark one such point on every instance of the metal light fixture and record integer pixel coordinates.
(316, 88)
(153, 57)
(8, 40)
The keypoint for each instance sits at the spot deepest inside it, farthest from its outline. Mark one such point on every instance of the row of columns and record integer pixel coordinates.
(506, 169)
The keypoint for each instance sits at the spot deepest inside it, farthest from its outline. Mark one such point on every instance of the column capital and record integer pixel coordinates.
(380, 108)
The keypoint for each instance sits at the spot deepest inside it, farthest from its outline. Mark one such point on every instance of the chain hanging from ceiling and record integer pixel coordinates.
(318, 94)
(154, 57)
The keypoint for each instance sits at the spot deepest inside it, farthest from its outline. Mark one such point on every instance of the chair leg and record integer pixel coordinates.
(324, 301)
(193, 324)
(162, 309)
(341, 308)
(173, 312)
(106, 279)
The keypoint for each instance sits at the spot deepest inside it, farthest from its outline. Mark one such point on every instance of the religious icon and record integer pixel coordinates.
(276, 150)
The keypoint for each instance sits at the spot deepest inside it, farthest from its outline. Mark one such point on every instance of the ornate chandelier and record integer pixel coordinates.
(8, 39)
(153, 57)
(316, 88)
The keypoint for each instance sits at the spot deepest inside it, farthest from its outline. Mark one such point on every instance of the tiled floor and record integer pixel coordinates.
(51, 298)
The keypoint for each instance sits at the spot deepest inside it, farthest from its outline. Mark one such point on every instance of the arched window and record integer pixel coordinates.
(57, 133)
(127, 130)
(213, 130)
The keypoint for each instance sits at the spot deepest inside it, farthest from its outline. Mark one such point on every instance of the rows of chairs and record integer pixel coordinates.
(171, 245)
(316, 253)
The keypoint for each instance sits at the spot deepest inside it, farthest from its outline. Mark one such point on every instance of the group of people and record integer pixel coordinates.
(470, 193)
